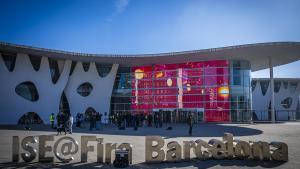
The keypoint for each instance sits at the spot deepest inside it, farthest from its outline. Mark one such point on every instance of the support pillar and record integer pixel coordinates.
(272, 91)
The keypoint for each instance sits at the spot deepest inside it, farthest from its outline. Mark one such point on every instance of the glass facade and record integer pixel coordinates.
(240, 91)
(213, 88)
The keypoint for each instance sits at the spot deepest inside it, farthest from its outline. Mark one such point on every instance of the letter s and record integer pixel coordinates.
(32, 152)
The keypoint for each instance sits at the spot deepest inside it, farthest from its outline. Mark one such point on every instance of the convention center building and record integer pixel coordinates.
(212, 84)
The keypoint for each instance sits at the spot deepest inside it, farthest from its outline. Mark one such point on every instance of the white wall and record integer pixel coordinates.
(13, 106)
(261, 103)
(99, 99)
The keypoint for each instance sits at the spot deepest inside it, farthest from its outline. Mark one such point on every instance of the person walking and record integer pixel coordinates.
(98, 121)
(63, 122)
(59, 119)
(70, 124)
(52, 120)
(105, 119)
(150, 120)
(136, 122)
(81, 120)
(156, 120)
(160, 120)
(190, 121)
(78, 120)
(91, 118)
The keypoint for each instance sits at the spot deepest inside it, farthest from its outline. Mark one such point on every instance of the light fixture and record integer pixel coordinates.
(139, 74)
(169, 82)
(188, 87)
(159, 74)
(223, 91)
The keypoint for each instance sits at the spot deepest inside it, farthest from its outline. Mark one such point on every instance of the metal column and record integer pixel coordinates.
(272, 91)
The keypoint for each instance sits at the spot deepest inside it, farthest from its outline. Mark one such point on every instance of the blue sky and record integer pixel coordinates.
(150, 26)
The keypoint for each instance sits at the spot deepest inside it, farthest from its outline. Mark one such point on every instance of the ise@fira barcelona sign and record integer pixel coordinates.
(64, 148)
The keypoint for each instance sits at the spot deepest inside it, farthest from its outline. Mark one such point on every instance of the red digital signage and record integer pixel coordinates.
(183, 86)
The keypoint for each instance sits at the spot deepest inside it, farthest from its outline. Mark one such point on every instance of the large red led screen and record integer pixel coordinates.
(182, 86)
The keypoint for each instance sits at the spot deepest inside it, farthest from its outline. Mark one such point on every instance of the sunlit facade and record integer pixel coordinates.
(211, 84)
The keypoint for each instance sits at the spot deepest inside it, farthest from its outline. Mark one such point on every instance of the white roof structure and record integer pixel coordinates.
(258, 54)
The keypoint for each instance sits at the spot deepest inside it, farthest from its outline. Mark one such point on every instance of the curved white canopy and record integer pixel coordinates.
(258, 54)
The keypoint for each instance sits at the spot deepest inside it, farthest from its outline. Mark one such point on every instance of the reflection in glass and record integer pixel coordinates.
(54, 70)
(28, 91)
(253, 85)
(85, 89)
(35, 61)
(9, 60)
(264, 84)
(86, 66)
(103, 69)
(287, 102)
(293, 87)
(277, 85)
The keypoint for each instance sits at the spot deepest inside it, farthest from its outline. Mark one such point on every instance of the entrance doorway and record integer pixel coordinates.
(30, 118)
(198, 115)
(180, 115)
(88, 113)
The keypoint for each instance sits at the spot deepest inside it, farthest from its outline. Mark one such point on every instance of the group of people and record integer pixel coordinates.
(126, 119)
(96, 120)
(64, 122)
(79, 120)
(30, 118)
(121, 120)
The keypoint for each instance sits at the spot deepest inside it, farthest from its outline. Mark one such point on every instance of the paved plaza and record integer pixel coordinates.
(288, 132)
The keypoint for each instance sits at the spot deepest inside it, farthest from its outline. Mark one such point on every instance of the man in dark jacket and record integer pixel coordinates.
(59, 118)
(150, 120)
(190, 121)
(92, 120)
(156, 120)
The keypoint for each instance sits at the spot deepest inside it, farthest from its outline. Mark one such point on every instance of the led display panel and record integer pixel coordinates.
(188, 85)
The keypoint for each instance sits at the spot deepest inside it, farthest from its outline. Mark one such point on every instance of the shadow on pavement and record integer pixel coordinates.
(193, 163)
(212, 163)
(178, 130)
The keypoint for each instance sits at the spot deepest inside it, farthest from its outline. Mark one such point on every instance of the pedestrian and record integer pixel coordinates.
(143, 119)
(149, 118)
(52, 120)
(98, 121)
(160, 120)
(70, 124)
(119, 120)
(105, 119)
(78, 120)
(62, 123)
(136, 122)
(59, 129)
(190, 122)
(91, 118)
(156, 120)
(59, 119)
(129, 118)
(27, 121)
(81, 121)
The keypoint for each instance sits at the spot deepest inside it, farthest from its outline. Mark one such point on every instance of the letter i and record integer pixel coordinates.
(15, 147)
